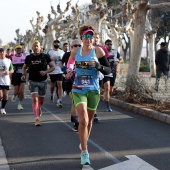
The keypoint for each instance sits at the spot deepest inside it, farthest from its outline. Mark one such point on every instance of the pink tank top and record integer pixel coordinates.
(18, 60)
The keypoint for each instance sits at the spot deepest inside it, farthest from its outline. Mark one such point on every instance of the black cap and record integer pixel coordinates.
(2, 49)
(163, 44)
(56, 41)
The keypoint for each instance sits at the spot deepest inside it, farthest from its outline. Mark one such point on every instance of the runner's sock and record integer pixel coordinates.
(83, 151)
(107, 103)
(3, 104)
(35, 109)
(20, 102)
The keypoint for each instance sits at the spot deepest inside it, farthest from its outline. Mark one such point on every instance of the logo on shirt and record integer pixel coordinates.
(2, 68)
(36, 62)
(83, 65)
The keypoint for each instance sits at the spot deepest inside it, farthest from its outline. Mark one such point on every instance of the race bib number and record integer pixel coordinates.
(85, 81)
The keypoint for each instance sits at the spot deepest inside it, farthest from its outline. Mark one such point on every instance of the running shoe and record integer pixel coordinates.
(20, 107)
(108, 109)
(96, 118)
(40, 112)
(59, 104)
(75, 127)
(37, 122)
(3, 111)
(64, 94)
(85, 159)
(74, 119)
(13, 99)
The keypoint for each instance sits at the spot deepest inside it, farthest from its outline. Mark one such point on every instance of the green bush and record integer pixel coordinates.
(144, 65)
(144, 68)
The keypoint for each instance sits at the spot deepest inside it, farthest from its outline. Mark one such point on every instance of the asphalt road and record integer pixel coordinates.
(54, 146)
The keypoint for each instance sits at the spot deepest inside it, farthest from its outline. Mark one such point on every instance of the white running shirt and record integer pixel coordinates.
(112, 57)
(58, 55)
(5, 64)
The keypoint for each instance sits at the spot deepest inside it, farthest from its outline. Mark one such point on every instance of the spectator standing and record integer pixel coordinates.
(162, 61)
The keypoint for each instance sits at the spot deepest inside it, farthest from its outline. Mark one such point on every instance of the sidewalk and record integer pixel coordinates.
(140, 110)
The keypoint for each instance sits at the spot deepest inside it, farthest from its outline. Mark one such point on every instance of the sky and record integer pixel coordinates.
(16, 14)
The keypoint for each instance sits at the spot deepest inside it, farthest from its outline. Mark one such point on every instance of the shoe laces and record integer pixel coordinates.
(85, 154)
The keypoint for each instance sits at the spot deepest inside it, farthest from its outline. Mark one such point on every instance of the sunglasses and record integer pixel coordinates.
(76, 45)
(108, 44)
(86, 36)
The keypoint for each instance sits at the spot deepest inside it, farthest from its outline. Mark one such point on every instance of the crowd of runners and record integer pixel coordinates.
(79, 72)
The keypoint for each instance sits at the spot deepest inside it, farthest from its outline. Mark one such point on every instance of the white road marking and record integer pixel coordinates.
(107, 154)
(87, 167)
(134, 163)
(3, 161)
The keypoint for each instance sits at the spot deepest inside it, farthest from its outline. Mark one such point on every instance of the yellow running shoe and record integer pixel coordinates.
(37, 122)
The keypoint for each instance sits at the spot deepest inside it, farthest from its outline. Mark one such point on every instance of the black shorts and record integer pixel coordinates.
(2, 87)
(101, 83)
(111, 79)
(56, 77)
(16, 79)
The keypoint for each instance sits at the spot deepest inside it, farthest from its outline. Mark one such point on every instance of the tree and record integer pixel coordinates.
(140, 14)
(49, 30)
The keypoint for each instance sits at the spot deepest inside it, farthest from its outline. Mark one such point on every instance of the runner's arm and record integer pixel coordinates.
(71, 60)
(24, 67)
(103, 66)
(52, 67)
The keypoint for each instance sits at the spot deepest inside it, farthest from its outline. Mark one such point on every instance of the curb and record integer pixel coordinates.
(140, 110)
